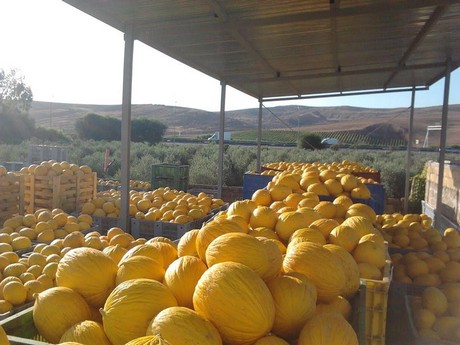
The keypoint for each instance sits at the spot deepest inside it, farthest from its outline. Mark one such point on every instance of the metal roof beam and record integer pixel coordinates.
(340, 73)
(429, 24)
(222, 16)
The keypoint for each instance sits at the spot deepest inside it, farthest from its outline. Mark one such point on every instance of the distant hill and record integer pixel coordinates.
(189, 122)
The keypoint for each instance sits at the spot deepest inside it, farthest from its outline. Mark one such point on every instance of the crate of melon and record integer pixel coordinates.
(21, 330)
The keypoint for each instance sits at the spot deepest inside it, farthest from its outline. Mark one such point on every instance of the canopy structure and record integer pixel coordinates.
(291, 49)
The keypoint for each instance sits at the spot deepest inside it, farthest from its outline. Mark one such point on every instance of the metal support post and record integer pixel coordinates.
(409, 153)
(220, 162)
(124, 220)
(259, 137)
(442, 151)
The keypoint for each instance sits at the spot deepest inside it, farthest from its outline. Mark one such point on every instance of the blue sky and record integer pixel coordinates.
(67, 56)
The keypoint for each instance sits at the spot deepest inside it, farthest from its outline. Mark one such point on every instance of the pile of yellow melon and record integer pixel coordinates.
(132, 183)
(9, 192)
(414, 231)
(54, 168)
(326, 183)
(23, 276)
(43, 225)
(424, 268)
(436, 313)
(220, 285)
(162, 204)
(345, 166)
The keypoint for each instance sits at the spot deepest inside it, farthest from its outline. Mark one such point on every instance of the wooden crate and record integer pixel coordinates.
(86, 189)
(11, 195)
(50, 192)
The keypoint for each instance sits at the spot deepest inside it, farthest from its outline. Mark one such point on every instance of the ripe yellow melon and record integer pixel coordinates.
(350, 267)
(211, 231)
(434, 300)
(450, 273)
(116, 252)
(131, 306)
(333, 186)
(15, 293)
(318, 264)
(147, 250)
(57, 309)
(181, 325)
(181, 278)
(241, 248)
(139, 267)
(245, 317)
(452, 292)
(325, 226)
(370, 252)
(240, 208)
(89, 272)
(424, 318)
(275, 250)
(168, 252)
(308, 235)
(326, 209)
(149, 340)
(446, 327)
(262, 197)
(187, 243)
(263, 216)
(338, 305)
(327, 329)
(288, 222)
(271, 340)
(416, 268)
(361, 224)
(290, 315)
(264, 232)
(279, 192)
(369, 271)
(85, 332)
(345, 237)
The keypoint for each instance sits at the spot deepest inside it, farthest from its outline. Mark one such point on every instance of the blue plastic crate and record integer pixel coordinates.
(253, 182)
(377, 197)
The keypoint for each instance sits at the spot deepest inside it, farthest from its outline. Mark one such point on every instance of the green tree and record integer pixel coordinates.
(50, 135)
(148, 131)
(310, 141)
(97, 127)
(15, 95)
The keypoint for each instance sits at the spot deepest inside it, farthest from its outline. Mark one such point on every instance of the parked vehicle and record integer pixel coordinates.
(216, 136)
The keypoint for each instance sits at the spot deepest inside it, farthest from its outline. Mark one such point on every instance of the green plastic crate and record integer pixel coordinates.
(170, 175)
(21, 330)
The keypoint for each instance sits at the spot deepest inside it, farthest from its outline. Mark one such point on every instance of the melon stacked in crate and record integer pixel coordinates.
(163, 211)
(57, 185)
(10, 194)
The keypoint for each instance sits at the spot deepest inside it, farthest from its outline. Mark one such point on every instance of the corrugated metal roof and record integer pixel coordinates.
(281, 48)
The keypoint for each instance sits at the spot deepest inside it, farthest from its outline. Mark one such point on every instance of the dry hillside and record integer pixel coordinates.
(191, 122)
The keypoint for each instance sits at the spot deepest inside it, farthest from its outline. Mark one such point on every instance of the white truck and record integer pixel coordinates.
(216, 136)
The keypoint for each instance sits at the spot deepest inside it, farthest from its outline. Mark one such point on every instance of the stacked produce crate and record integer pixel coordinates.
(174, 176)
(10, 194)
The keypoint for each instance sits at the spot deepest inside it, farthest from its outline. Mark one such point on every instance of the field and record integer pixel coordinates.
(237, 160)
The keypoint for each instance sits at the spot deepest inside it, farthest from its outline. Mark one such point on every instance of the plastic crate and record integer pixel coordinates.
(378, 197)
(253, 182)
(149, 229)
(374, 306)
(21, 330)
(13, 166)
(170, 175)
(103, 224)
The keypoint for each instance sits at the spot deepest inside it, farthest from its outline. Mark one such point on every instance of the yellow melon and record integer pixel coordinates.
(325, 226)
(86, 332)
(147, 250)
(3, 337)
(326, 329)
(416, 268)
(115, 252)
(131, 306)
(57, 309)
(423, 318)
(240, 208)
(181, 325)
(369, 271)
(338, 305)
(290, 315)
(452, 292)
(181, 278)
(245, 317)
(15, 293)
(318, 264)
(168, 252)
(326, 209)
(139, 267)
(274, 249)
(238, 247)
(211, 231)
(264, 232)
(345, 237)
(262, 197)
(350, 267)
(308, 235)
(370, 252)
(289, 222)
(89, 272)
(446, 327)
(263, 216)
(434, 300)
(187, 244)
(450, 273)
(149, 340)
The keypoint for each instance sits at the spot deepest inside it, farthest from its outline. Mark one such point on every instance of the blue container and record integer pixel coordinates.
(253, 182)
(377, 197)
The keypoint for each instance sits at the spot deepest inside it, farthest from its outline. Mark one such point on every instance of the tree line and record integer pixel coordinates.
(16, 125)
